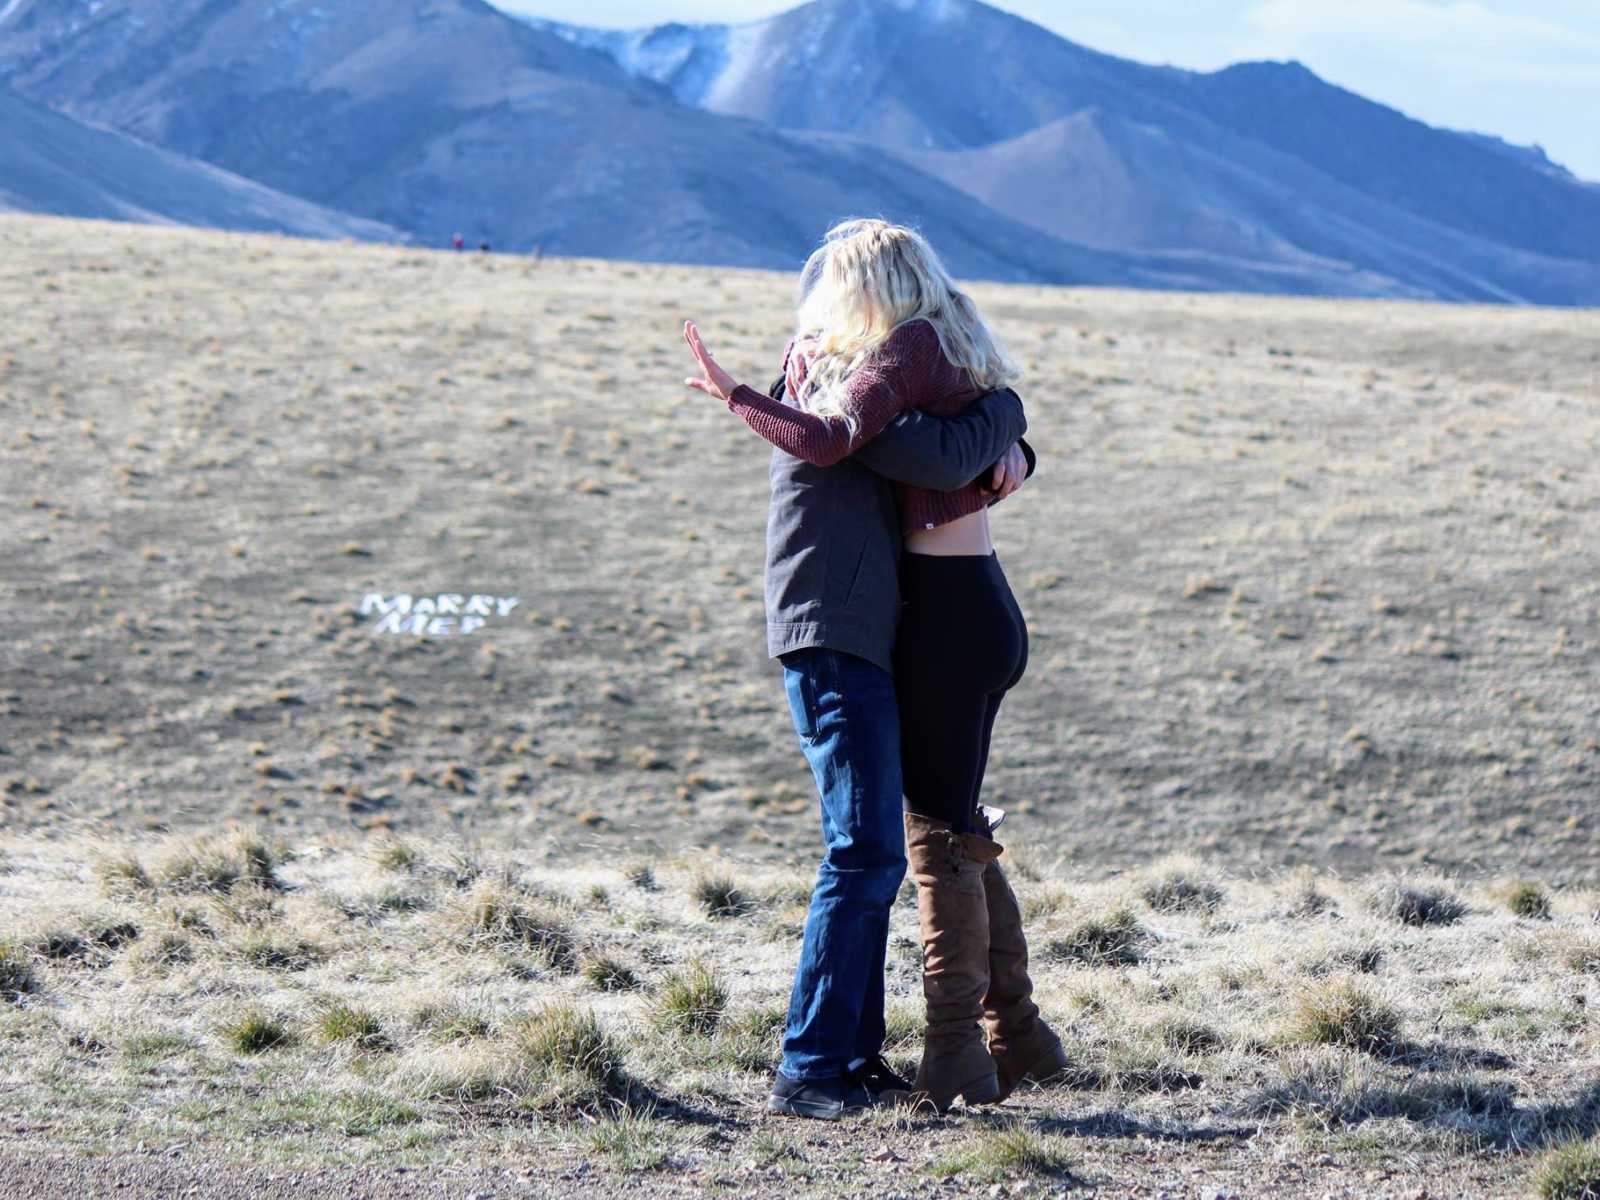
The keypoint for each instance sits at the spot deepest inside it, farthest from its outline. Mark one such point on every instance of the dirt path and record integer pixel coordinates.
(138, 1177)
(1148, 1170)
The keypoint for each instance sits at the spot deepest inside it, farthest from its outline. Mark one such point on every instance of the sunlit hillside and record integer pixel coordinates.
(1307, 582)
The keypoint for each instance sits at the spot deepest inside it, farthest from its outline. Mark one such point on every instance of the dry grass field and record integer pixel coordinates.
(291, 905)
(406, 1017)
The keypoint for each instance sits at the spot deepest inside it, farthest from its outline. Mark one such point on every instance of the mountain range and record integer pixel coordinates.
(1022, 155)
(50, 163)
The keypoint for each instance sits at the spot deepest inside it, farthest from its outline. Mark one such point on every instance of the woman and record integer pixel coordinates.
(883, 329)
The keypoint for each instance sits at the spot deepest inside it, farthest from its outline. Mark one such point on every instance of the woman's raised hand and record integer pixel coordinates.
(715, 381)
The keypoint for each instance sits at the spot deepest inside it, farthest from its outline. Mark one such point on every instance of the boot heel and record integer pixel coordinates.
(983, 1091)
(1050, 1065)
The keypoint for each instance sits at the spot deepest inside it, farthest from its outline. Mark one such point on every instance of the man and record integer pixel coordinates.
(832, 602)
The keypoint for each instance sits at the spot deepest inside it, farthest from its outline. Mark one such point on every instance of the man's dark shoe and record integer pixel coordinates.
(823, 1099)
(878, 1079)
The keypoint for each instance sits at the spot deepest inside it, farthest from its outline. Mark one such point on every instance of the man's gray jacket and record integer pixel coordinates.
(833, 533)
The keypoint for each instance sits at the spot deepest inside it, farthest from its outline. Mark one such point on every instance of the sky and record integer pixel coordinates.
(1525, 70)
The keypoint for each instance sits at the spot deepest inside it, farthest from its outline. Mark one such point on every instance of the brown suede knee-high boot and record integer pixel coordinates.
(1023, 1046)
(948, 869)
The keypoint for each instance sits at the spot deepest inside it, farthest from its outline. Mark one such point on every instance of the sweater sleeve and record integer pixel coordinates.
(875, 393)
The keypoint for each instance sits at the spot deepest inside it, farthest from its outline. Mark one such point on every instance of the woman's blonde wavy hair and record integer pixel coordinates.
(863, 282)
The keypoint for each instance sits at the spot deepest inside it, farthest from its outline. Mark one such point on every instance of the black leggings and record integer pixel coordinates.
(962, 643)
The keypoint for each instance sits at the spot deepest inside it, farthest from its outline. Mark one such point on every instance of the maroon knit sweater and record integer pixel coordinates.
(908, 371)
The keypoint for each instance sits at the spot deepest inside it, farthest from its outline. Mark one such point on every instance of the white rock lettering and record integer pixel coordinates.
(443, 614)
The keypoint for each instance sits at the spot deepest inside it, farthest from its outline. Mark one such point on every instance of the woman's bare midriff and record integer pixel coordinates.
(965, 535)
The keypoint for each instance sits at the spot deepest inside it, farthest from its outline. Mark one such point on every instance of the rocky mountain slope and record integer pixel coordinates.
(1263, 162)
(50, 163)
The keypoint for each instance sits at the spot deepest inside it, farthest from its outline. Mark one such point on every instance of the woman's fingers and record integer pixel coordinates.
(698, 348)
(691, 335)
(717, 382)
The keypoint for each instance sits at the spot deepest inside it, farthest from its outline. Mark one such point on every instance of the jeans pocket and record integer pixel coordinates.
(803, 684)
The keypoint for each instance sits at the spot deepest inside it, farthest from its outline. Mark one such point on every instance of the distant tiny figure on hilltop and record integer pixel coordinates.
(459, 242)
(483, 247)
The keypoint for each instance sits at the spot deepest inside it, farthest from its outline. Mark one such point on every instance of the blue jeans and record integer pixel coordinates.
(849, 725)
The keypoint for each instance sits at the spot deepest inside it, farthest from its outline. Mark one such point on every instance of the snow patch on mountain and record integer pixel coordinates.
(939, 11)
(740, 45)
(688, 60)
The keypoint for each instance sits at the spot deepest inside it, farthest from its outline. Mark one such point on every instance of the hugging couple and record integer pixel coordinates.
(894, 430)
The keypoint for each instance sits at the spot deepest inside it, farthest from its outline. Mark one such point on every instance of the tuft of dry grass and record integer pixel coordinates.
(1528, 901)
(110, 933)
(398, 856)
(123, 876)
(720, 896)
(383, 903)
(1114, 939)
(453, 1021)
(1570, 1171)
(1188, 1035)
(496, 914)
(632, 1140)
(155, 955)
(691, 1000)
(563, 1040)
(281, 952)
(217, 864)
(1011, 1152)
(1417, 904)
(1306, 899)
(1125, 1064)
(254, 1031)
(1335, 1087)
(642, 876)
(16, 972)
(1339, 1012)
(204, 864)
(607, 973)
(1584, 958)
(1181, 887)
(1041, 906)
(555, 1059)
(58, 945)
(343, 1022)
